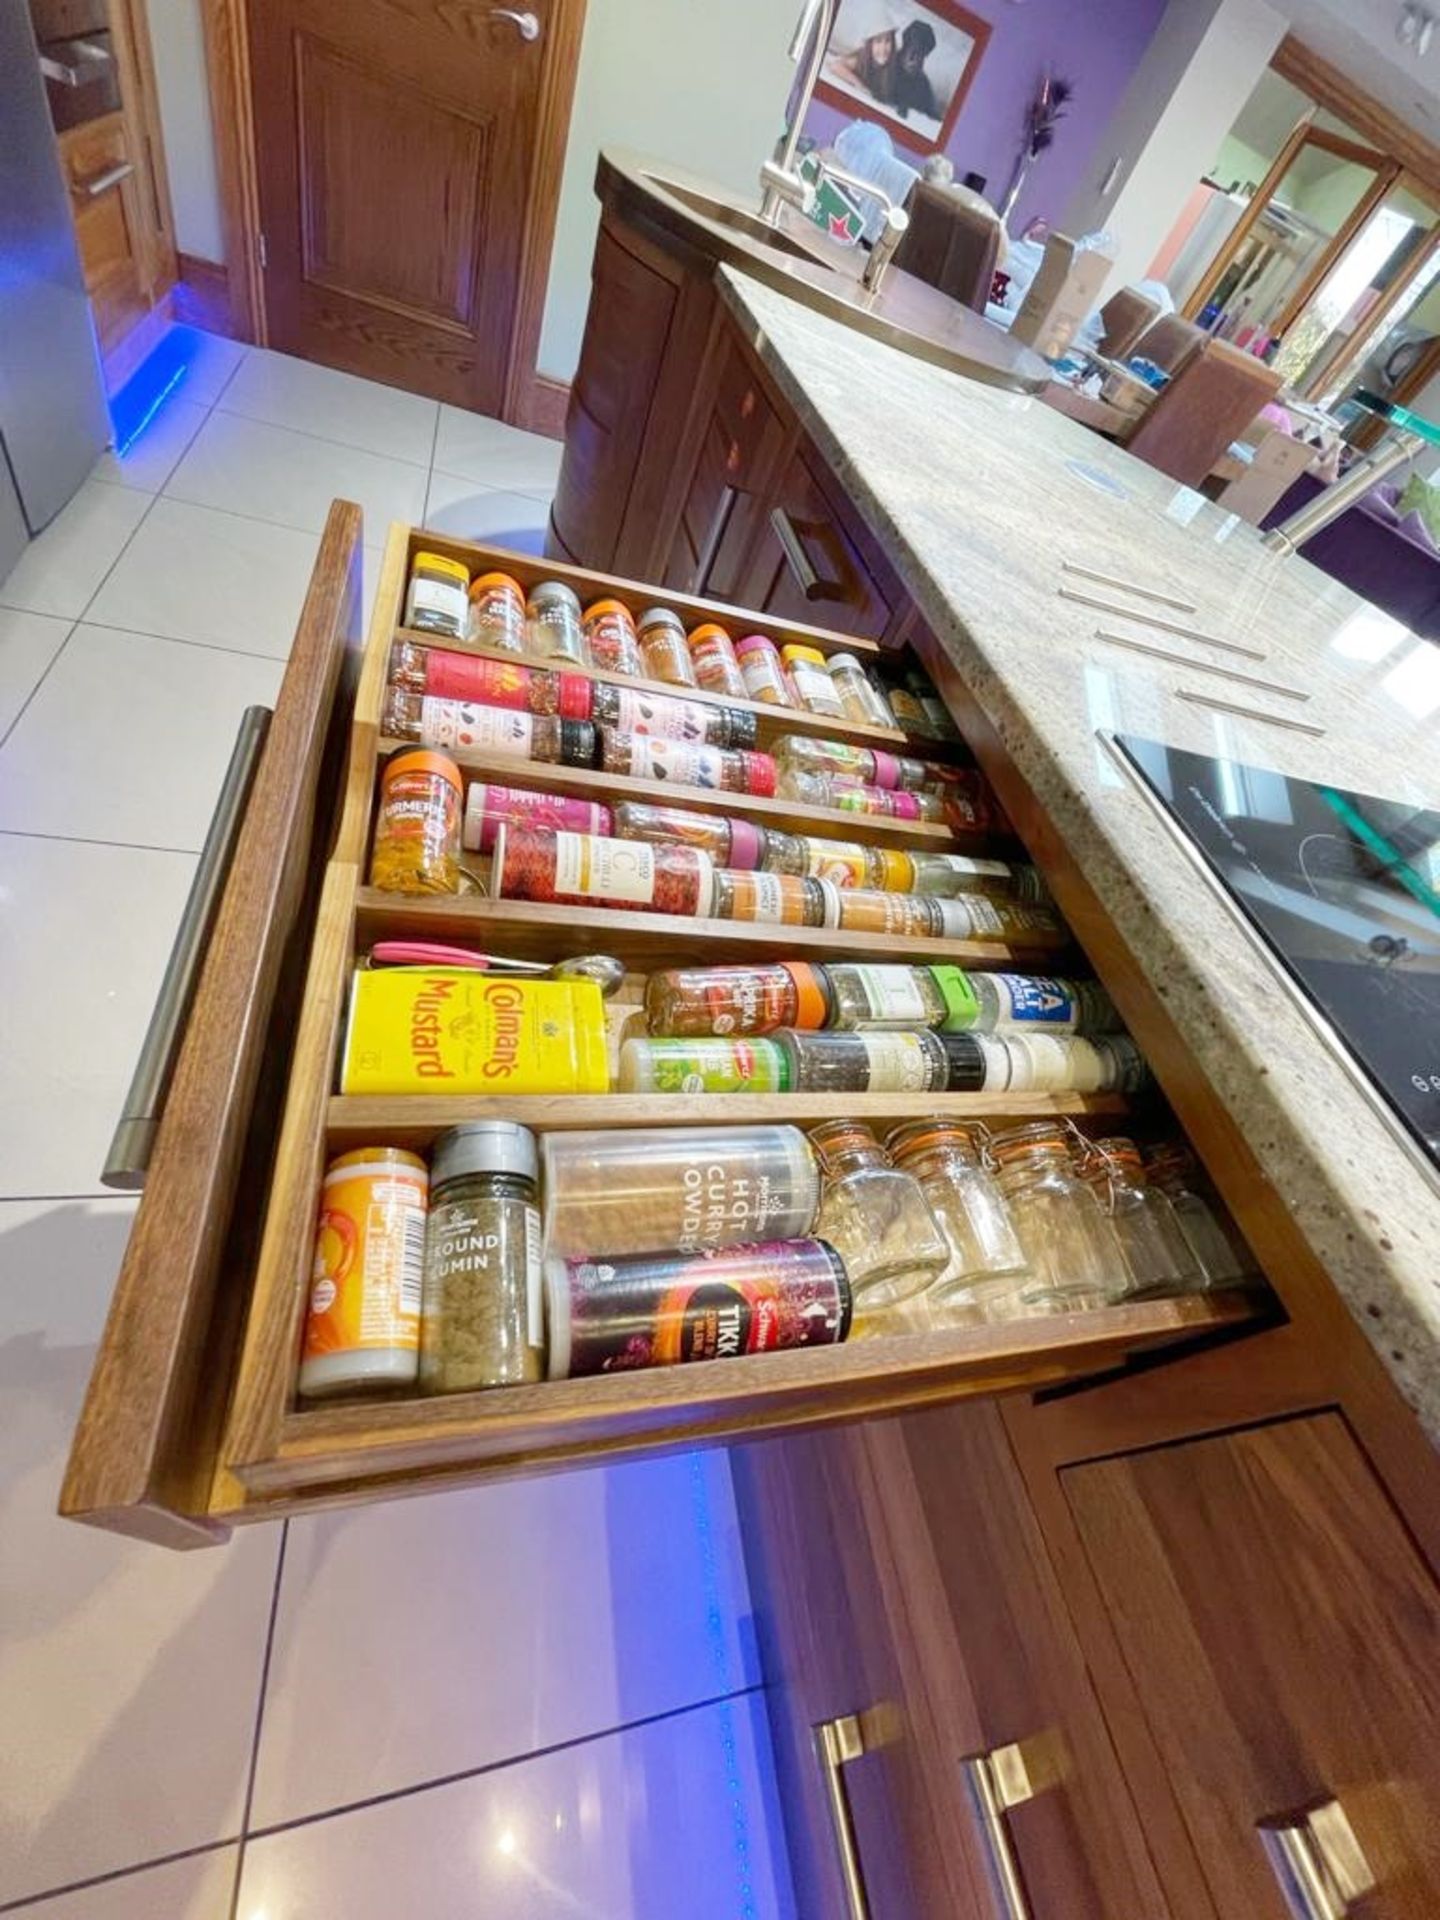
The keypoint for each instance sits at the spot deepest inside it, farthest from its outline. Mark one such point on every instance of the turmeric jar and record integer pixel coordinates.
(417, 825)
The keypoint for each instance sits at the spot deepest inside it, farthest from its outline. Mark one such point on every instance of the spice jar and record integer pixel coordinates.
(610, 638)
(756, 999)
(634, 710)
(491, 683)
(417, 824)
(488, 806)
(458, 723)
(883, 996)
(1157, 1254)
(1071, 1253)
(860, 698)
(497, 612)
(846, 795)
(435, 600)
(869, 910)
(582, 869)
(664, 1309)
(810, 677)
(968, 806)
(729, 843)
(779, 899)
(845, 862)
(1224, 1261)
(716, 667)
(702, 1064)
(804, 753)
(885, 1062)
(986, 1266)
(974, 916)
(1042, 1063)
(362, 1326)
(663, 647)
(937, 714)
(762, 671)
(947, 874)
(1006, 1002)
(483, 1323)
(910, 716)
(650, 1188)
(875, 1216)
(552, 624)
(682, 763)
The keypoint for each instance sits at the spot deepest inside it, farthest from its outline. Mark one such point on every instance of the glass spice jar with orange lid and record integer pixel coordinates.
(1071, 1252)
(741, 999)
(417, 824)
(717, 670)
(610, 638)
(497, 612)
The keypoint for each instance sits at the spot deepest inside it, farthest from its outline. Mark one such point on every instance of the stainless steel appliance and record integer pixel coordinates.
(53, 420)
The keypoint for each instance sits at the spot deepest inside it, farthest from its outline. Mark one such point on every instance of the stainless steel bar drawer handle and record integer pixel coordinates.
(99, 183)
(1318, 1861)
(527, 25)
(997, 1781)
(837, 1742)
(129, 1155)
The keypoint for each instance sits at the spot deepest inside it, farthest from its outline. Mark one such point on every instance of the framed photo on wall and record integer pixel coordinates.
(906, 64)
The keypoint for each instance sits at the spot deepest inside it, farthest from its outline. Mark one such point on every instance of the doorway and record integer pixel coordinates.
(395, 190)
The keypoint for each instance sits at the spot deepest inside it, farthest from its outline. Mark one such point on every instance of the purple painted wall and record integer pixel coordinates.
(1097, 45)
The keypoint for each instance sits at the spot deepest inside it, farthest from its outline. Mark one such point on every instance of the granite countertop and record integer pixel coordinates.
(979, 497)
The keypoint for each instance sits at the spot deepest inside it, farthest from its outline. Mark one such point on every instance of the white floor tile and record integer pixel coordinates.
(84, 939)
(247, 466)
(129, 1676)
(674, 1821)
(200, 1888)
(128, 739)
(428, 1636)
(211, 360)
(28, 643)
(457, 506)
(336, 406)
(495, 455)
(59, 572)
(150, 460)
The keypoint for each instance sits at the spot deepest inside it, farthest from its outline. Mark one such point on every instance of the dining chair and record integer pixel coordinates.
(950, 244)
(1125, 316)
(1171, 342)
(1210, 402)
(1276, 464)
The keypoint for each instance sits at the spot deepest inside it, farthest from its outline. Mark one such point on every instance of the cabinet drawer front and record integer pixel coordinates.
(143, 1453)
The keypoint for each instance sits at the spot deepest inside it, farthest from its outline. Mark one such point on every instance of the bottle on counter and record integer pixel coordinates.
(860, 698)
(633, 710)
(986, 1269)
(684, 763)
(417, 824)
(582, 869)
(1071, 1254)
(875, 1216)
(702, 1063)
(873, 997)
(483, 1321)
(778, 899)
(1224, 1260)
(810, 677)
(497, 612)
(883, 1062)
(717, 669)
(763, 671)
(664, 648)
(636, 1190)
(552, 624)
(611, 641)
(487, 807)
(664, 1309)
(436, 599)
(362, 1326)
(729, 842)
(459, 724)
(737, 1000)
(1023, 1002)
(438, 672)
(1157, 1254)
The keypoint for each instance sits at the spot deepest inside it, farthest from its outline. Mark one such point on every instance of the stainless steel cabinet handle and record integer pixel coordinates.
(798, 561)
(527, 25)
(1318, 1861)
(839, 1741)
(93, 57)
(996, 1782)
(129, 1154)
(99, 183)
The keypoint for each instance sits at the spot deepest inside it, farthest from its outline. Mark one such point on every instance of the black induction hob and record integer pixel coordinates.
(1345, 890)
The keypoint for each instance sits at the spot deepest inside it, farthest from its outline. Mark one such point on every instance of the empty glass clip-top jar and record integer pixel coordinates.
(875, 1216)
(1070, 1248)
(987, 1268)
(1156, 1252)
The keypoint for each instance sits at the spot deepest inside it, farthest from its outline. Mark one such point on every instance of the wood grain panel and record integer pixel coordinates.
(1284, 1638)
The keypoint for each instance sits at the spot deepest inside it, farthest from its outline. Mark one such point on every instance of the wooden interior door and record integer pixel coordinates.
(407, 164)
(1283, 1633)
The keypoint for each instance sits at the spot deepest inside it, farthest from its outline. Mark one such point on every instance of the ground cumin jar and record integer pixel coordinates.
(664, 648)
(611, 639)
(713, 657)
(497, 612)
(417, 824)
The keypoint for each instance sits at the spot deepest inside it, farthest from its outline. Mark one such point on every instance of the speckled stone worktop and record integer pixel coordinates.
(979, 497)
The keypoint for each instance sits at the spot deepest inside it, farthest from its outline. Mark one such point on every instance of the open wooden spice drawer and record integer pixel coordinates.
(191, 1422)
